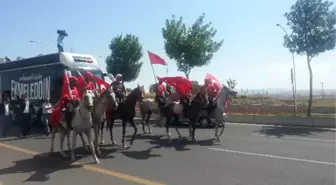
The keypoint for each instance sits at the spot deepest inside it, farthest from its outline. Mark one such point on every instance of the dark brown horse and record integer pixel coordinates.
(192, 113)
(126, 112)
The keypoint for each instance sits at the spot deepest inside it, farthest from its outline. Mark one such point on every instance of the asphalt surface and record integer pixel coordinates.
(247, 155)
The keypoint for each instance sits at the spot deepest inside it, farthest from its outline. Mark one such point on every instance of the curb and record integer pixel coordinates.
(323, 122)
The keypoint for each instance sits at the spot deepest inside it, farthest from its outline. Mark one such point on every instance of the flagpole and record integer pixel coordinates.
(154, 74)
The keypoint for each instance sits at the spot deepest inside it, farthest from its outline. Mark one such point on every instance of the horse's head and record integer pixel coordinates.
(139, 93)
(69, 105)
(111, 98)
(88, 98)
(202, 97)
(228, 91)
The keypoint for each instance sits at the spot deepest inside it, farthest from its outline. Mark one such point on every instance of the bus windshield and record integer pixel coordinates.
(95, 72)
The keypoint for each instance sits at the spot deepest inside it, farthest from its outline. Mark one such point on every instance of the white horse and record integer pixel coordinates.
(82, 123)
(218, 112)
(106, 98)
(63, 130)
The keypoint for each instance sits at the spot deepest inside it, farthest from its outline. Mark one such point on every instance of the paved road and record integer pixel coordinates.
(247, 154)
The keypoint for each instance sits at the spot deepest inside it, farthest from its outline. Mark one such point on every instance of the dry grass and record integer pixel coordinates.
(250, 100)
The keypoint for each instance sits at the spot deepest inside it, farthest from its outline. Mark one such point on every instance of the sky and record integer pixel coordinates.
(252, 53)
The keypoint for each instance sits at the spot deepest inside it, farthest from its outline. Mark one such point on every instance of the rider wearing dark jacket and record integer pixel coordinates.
(119, 88)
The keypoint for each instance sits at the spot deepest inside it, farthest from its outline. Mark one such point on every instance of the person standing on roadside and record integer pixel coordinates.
(26, 110)
(46, 112)
(6, 115)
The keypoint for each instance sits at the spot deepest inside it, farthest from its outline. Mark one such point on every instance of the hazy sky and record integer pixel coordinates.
(252, 52)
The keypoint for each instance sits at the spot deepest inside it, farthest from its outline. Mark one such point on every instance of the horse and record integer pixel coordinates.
(107, 97)
(63, 129)
(174, 110)
(126, 112)
(193, 112)
(147, 107)
(219, 107)
(82, 123)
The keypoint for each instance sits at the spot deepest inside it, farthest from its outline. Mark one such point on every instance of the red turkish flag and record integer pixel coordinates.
(101, 83)
(65, 93)
(156, 59)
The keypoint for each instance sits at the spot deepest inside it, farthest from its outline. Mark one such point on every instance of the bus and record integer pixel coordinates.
(41, 77)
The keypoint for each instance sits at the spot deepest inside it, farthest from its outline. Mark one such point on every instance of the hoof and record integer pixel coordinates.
(102, 142)
(131, 142)
(194, 140)
(73, 159)
(124, 146)
(150, 132)
(97, 161)
(144, 132)
(114, 143)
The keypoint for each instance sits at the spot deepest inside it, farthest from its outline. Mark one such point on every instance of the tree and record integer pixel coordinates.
(125, 55)
(313, 32)
(190, 47)
(231, 83)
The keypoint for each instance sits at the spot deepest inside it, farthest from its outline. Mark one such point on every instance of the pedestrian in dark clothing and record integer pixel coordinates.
(6, 115)
(25, 115)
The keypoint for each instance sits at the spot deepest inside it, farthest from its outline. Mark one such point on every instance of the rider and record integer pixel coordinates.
(73, 81)
(160, 94)
(88, 80)
(212, 91)
(185, 100)
(119, 88)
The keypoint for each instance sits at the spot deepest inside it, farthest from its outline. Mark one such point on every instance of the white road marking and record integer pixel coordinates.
(282, 126)
(299, 138)
(273, 156)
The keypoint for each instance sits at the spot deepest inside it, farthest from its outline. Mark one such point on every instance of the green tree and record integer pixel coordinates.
(313, 32)
(190, 47)
(125, 55)
(231, 83)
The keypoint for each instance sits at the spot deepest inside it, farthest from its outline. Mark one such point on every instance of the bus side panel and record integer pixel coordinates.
(37, 83)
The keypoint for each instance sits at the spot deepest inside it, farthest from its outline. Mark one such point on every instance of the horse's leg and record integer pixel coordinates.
(143, 116)
(89, 137)
(216, 111)
(96, 128)
(219, 120)
(73, 145)
(123, 133)
(110, 125)
(83, 141)
(52, 137)
(102, 132)
(67, 133)
(62, 133)
(168, 123)
(175, 122)
(149, 113)
(135, 131)
(194, 130)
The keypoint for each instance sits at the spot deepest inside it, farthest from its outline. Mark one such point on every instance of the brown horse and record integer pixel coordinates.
(126, 112)
(172, 112)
